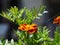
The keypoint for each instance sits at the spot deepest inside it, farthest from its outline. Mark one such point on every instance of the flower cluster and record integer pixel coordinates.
(29, 28)
(57, 20)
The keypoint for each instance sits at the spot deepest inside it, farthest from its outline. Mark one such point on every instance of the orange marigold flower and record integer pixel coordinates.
(29, 28)
(56, 20)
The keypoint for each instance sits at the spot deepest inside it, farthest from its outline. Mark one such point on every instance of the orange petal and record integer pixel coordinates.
(56, 20)
(22, 27)
(58, 17)
(34, 25)
(31, 31)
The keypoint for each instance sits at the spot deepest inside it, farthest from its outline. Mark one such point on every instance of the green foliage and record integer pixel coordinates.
(57, 36)
(41, 37)
(24, 15)
(14, 14)
(21, 16)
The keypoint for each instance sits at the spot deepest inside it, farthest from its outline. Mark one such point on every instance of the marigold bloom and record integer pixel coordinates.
(29, 28)
(56, 20)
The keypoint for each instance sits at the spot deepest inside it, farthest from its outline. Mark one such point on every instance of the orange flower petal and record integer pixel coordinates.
(34, 25)
(27, 27)
(31, 31)
(56, 20)
(22, 27)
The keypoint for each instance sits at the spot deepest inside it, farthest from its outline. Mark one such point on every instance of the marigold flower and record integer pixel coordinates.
(56, 20)
(29, 28)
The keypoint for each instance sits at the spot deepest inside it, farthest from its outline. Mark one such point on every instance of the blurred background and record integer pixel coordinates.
(52, 6)
(4, 4)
